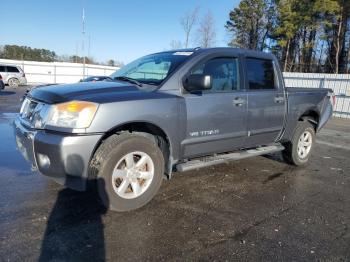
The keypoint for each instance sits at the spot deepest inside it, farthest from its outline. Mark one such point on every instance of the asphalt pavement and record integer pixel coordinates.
(257, 209)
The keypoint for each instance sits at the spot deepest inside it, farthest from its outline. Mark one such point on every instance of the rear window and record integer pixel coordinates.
(12, 69)
(260, 74)
(2, 68)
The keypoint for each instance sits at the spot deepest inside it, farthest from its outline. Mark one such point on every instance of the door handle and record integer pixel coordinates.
(279, 99)
(238, 101)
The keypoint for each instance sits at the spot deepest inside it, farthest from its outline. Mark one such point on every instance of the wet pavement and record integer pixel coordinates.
(258, 209)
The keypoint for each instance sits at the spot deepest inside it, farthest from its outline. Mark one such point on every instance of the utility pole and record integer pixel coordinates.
(89, 40)
(76, 52)
(83, 33)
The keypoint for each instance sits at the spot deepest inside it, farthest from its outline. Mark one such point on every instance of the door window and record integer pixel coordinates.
(260, 74)
(12, 69)
(224, 73)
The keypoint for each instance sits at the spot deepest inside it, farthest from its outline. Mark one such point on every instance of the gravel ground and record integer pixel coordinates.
(257, 209)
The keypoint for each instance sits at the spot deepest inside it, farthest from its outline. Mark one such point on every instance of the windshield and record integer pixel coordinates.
(152, 69)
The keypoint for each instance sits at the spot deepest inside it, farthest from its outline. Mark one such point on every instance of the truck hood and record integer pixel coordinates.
(92, 91)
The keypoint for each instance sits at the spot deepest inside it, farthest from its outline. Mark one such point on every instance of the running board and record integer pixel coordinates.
(225, 158)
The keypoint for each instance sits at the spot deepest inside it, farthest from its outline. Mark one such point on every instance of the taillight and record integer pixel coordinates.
(331, 98)
(0, 77)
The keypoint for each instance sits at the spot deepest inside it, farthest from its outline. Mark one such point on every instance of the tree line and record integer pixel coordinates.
(26, 53)
(305, 35)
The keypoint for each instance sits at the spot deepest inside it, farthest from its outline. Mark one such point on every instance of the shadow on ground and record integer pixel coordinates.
(7, 93)
(74, 228)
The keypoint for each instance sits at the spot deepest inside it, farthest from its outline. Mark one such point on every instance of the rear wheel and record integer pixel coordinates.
(13, 82)
(298, 151)
(130, 171)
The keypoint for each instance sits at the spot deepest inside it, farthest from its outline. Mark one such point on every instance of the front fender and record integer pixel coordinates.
(162, 113)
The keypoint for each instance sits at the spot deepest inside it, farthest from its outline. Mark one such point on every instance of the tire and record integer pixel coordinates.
(294, 153)
(13, 82)
(114, 157)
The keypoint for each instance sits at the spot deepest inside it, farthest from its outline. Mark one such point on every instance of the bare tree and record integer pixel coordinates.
(175, 44)
(206, 31)
(187, 23)
(339, 36)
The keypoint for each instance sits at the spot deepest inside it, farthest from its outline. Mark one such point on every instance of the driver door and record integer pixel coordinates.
(216, 118)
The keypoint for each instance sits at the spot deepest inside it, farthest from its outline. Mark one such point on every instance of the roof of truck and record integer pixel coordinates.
(246, 52)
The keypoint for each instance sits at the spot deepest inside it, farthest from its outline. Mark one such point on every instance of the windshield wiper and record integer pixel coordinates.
(128, 79)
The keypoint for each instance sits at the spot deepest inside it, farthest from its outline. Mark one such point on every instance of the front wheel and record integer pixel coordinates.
(130, 171)
(298, 151)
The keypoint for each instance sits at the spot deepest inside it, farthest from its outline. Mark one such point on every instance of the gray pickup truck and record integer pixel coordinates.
(170, 111)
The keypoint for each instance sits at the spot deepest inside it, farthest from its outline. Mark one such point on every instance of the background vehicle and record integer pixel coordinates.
(96, 79)
(177, 110)
(13, 75)
(2, 85)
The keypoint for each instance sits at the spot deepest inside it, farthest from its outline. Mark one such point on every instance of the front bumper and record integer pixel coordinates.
(63, 157)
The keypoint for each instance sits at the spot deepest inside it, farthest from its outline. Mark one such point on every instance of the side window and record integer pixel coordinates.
(12, 69)
(224, 73)
(260, 74)
(2, 68)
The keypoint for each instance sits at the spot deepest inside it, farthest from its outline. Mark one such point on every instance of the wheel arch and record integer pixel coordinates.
(311, 115)
(149, 130)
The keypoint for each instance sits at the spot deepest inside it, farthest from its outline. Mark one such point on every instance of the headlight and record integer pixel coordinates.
(73, 114)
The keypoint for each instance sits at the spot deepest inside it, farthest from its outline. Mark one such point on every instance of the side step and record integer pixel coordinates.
(225, 158)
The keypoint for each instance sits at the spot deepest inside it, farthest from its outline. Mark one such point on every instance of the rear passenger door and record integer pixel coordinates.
(266, 102)
(216, 118)
(12, 70)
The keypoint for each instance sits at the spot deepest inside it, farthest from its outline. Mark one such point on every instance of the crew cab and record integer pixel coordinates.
(170, 111)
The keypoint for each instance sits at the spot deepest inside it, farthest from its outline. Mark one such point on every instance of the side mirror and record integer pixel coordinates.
(197, 82)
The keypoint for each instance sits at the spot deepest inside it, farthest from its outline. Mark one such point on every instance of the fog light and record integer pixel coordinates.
(44, 161)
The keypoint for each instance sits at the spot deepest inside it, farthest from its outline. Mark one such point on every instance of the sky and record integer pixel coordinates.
(119, 30)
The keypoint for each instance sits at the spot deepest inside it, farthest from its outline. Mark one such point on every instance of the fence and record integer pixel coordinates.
(340, 84)
(58, 72)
